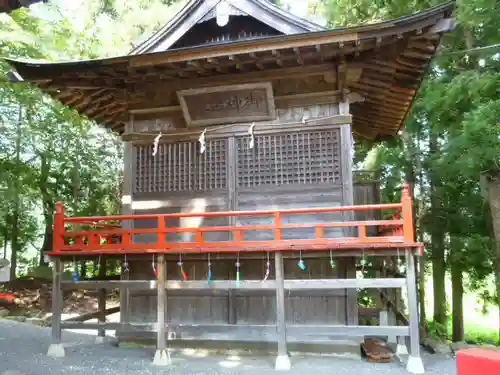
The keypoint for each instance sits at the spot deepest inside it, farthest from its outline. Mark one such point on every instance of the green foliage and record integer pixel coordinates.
(451, 139)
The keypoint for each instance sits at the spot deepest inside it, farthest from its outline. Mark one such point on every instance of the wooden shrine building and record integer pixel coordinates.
(242, 221)
(7, 6)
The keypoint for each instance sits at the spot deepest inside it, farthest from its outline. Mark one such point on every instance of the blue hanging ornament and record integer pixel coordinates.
(301, 263)
(75, 272)
(209, 276)
(237, 264)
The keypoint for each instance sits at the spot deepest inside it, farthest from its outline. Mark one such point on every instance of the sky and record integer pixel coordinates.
(297, 7)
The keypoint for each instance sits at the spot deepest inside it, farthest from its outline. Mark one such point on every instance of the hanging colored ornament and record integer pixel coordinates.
(332, 263)
(209, 276)
(181, 268)
(268, 268)
(153, 265)
(125, 264)
(237, 264)
(75, 271)
(301, 263)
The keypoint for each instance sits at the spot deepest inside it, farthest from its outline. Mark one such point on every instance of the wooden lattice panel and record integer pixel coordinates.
(293, 158)
(181, 167)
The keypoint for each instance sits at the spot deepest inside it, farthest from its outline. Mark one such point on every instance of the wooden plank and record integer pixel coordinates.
(240, 332)
(238, 129)
(101, 302)
(227, 104)
(242, 77)
(292, 285)
(280, 306)
(161, 343)
(57, 300)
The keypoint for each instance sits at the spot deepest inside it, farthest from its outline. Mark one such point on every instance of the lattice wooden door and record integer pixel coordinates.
(290, 158)
(180, 167)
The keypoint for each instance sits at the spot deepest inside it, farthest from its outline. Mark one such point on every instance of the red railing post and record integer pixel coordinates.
(277, 225)
(407, 214)
(161, 238)
(58, 241)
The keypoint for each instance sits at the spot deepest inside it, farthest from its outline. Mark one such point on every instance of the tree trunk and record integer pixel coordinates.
(5, 240)
(437, 240)
(493, 194)
(15, 246)
(457, 307)
(48, 207)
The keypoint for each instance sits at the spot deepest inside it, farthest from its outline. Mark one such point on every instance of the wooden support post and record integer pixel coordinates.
(101, 301)
(282, 360)
(162, 355)
(351, 299)
(415, 364)
(56, 348)
(124, 297)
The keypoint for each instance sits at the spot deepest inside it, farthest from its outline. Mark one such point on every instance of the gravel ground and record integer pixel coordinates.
(23, 348)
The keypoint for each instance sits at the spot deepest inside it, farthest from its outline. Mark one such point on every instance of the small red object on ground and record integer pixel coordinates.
(7, 297)
(478, 361)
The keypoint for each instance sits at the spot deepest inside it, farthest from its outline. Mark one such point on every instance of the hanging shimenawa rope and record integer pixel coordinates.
(202, 135)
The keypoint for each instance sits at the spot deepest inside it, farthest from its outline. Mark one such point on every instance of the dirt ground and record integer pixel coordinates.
(32, 299)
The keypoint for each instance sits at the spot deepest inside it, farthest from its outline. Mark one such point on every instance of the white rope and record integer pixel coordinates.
(202, 137)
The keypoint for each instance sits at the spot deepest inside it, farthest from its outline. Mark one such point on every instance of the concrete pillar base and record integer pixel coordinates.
(56, 351)
(401, 349)
(415, 365)
(162, 358)
(283, 363)
(100, 339)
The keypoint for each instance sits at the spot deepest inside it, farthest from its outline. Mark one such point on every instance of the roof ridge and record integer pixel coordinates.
(206, 5)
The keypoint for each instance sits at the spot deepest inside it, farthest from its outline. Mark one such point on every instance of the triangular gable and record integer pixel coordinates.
(196, 11)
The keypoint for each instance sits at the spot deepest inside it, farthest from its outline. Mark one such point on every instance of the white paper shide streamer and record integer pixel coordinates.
(202, 142)
(155, 144)
(251, 143)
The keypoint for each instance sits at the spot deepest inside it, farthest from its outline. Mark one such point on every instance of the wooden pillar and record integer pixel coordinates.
(162, 356)
(127, 190)
(282, 360)
(56, 348)
(124, 297)
(351, 300)
(101, 300)
(414, 365)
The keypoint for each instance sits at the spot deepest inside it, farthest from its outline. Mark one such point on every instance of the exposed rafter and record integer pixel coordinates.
(384, 63)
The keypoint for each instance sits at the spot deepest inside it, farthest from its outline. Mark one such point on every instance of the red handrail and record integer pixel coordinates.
(111, 239)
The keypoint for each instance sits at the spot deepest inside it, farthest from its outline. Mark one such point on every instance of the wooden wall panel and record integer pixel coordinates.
(212, 201)
(367, 193)
(288, 197)
(197, 307)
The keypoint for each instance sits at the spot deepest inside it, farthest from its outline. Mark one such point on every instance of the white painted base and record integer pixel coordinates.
(56, 351)
(100, 339)
(415, 365)
(162, 358)
(283, 363)
(401, 349)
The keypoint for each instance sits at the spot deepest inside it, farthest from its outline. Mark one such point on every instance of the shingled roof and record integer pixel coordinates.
(390, 58)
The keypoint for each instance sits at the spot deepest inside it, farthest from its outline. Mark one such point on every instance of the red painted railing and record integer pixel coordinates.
(107, 235)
